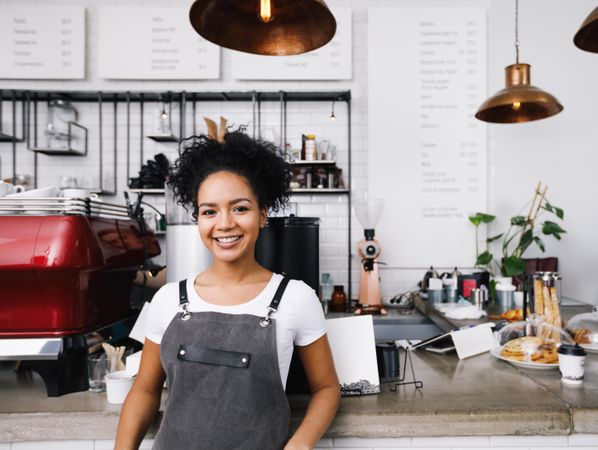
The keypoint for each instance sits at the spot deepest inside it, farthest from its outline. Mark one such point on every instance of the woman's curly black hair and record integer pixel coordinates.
(260, 162)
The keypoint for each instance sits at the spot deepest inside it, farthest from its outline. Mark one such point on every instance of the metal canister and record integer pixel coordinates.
(476, 298)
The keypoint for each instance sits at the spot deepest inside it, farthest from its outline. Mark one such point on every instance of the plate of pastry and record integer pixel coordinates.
(530, 352)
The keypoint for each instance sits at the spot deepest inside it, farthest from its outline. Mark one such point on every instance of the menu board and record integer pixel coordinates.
(42, 42)
(330, 62)
(427, 152)
(153, 43)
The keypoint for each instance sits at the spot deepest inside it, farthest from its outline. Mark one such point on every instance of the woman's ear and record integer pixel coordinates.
(263, 216)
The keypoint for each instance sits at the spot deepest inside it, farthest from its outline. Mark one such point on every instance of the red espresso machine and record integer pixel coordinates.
(66, 272)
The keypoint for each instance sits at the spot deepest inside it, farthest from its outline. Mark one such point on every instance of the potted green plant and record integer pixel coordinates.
(523, 231)
(527, 230)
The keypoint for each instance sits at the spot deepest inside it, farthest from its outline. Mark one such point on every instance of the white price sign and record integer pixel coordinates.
(42, 42)
(153, 43)
(427, 76)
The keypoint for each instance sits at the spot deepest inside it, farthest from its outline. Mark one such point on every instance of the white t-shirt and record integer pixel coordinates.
(299, 319)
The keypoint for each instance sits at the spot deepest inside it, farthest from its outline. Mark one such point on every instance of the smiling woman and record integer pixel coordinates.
(223, 339)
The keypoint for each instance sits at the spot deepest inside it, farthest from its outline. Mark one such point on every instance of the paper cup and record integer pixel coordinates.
(118, 385)
(572, 359)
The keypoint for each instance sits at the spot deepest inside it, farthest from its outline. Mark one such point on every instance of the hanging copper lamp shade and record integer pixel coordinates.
(519, 101)
(264, 27)
(587, 36)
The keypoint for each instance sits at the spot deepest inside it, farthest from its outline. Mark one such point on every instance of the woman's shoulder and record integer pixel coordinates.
(299, 295)
(300, 288)
(167, 295)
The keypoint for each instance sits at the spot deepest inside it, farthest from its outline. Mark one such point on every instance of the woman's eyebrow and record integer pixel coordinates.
(232, 202)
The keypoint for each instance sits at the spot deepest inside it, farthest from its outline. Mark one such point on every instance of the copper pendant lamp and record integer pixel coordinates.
(519, 101)
(264, 27)
(587, 36)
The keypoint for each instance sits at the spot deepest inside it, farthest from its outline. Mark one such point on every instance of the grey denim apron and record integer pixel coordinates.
(223, 379)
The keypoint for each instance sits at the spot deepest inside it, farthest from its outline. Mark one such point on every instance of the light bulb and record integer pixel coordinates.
(516, 106)
(164, 114)
(332, 116)
(266, 11)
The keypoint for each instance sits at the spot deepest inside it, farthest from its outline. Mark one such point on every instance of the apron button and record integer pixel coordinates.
(182, 352)
(243, 360)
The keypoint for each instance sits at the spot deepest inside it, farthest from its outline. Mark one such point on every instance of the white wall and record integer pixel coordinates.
(558, 151)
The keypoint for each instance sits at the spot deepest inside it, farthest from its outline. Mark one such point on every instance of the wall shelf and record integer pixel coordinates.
(162, 137)
(319, 162)
(8, 138)
(324, 191)
(58, 151)
(147, 191)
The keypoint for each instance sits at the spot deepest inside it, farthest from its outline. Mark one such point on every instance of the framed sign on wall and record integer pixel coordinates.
(153, 43)
(427, 152)
(42, 42)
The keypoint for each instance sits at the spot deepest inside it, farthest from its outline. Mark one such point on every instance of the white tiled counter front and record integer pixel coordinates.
(572, 442)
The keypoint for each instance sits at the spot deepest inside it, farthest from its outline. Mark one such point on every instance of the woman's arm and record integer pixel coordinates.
(142, 403)
(323, 382)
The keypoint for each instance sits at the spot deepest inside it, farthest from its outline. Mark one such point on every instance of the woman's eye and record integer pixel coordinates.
(241, 209)
(208, 212)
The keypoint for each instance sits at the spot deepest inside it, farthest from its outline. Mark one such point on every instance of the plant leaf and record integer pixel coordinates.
(547, 206)
(494, 238)
(481, 218)
(518, 221)
(549, 227)
(513, 266)
(484, 259)
(559, 213)
(487, 218)
(540, 243)
(526, 240)
(475, 220)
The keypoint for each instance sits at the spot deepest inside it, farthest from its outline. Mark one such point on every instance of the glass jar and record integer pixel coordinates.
(546, 300)
(339, 299)
(310, 148)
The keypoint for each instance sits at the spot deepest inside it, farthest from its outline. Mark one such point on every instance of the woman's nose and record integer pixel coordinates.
(225, 220)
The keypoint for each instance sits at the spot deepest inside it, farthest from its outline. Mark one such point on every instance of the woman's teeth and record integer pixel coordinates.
(226, 240)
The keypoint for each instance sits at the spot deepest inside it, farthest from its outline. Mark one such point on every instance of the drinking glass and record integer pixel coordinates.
(97, 367)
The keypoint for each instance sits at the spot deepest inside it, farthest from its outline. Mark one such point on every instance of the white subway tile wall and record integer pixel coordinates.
(301, 117)
(573, 442)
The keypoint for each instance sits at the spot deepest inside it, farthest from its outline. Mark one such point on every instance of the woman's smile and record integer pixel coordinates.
(227, 241)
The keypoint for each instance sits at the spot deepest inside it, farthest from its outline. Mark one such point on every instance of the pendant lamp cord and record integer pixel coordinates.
(517, 31)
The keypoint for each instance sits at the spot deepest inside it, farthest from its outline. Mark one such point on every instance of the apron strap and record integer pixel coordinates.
(184, 300)
(273, 307)
(279, 293)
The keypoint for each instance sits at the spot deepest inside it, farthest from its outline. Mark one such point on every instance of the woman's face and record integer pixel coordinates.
(229, 216)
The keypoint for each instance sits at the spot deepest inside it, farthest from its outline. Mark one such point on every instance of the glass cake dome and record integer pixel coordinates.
(583, 328)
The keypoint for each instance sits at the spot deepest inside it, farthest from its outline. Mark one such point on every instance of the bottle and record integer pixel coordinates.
(310, 148)
(326, 291)
(331, 179)
(339, 299)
